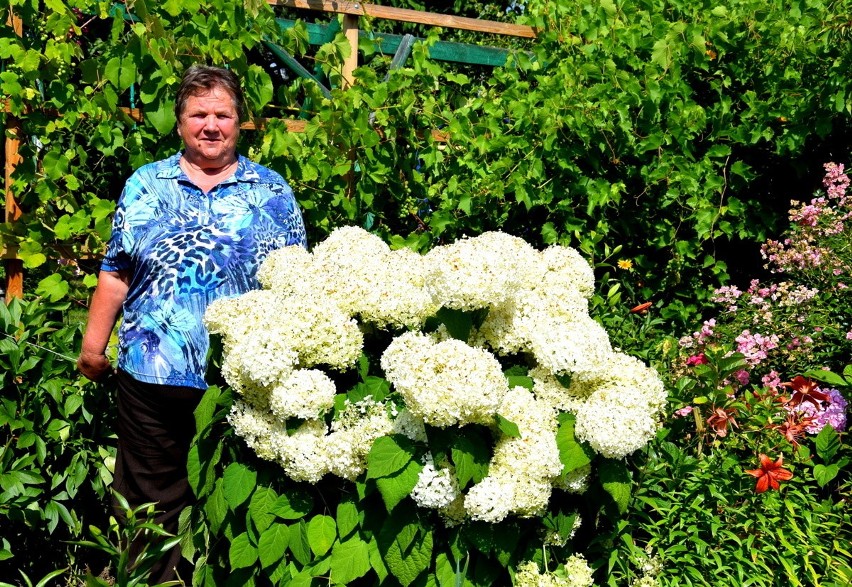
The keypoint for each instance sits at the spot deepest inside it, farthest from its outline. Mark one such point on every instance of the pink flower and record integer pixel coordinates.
(683, 412)
(741, 376)
(699, 359)
(772, 380)
(754, 347)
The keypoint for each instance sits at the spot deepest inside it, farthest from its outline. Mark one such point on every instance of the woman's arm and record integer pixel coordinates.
(103, 314)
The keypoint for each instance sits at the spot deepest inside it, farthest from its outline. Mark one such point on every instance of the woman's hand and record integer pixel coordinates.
(94, 366)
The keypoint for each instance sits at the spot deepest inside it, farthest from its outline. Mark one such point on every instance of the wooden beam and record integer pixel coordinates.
(415, 16)
(14, 267)
(320, 34)
(292, 125)
(350, 64)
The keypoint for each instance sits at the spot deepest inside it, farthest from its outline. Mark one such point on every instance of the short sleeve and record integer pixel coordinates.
(117, 257)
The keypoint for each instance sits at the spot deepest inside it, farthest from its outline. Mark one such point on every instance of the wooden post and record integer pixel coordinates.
(350, 29)
(14, 267)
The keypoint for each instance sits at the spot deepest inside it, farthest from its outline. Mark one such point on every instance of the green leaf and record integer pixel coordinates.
(827, 443)
(406, 548)
(273, 544)
(520, 381)
(572, 454)
(238, 483)
(162, 118)
(615, 480)
(471, 455)
(389, 455)
(398, 486)
(350, 560)
(241, 553)
(825, 473)
(216, 507)
(347, 518)
(507, 427)
(376, 561)
(827, 377)
(260, 507)
(298, 543)
(322, 532)
(258, 87)
(292, 505)
(53, 287)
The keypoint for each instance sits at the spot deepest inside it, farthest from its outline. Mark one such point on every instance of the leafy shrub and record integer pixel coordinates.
(639, 123)
(55, 445)
(752, 397)
(512, 454)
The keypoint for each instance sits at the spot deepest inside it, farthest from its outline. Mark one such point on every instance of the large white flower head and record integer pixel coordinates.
(574, 347)
(237, 318)
(491, 500)
(286, 270)
(623, 411)
(445, 383)
(567, 271)
(304, 453)
(305, 394)
(435, 488)
(523, 467)
(400, 296)
(576, 573)
(257, 427)
(353, 433)
(480, 272)
(349, 266)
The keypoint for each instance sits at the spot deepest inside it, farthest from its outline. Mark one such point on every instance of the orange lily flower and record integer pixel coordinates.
(719, 420)
(805, 390)
(794, 427)
(770, 474)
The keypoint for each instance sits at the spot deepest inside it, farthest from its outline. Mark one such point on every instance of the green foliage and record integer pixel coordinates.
(254, 525)
(55, 452)
(139, 525)
(638, 123)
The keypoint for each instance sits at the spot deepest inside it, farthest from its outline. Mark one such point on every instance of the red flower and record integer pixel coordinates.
(641, 308)
(719, 420)
(805, 390)
(699, 359)
(794, 427)
(770, 474)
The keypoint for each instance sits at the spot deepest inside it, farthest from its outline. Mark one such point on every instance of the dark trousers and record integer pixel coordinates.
(155, 428)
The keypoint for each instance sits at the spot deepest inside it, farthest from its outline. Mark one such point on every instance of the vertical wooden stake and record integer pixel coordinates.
(350, 29)
(14, 267)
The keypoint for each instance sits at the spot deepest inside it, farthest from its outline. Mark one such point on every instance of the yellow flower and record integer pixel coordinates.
(625, 264)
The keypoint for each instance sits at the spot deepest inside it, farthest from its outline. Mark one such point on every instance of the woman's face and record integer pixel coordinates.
(209, 127)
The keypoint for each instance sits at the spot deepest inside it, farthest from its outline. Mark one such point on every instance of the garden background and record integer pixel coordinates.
(664, 140)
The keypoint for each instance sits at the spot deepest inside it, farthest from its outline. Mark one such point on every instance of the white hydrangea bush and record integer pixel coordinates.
(282, 343)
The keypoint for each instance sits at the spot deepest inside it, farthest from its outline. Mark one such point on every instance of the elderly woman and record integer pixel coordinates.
(187, 230)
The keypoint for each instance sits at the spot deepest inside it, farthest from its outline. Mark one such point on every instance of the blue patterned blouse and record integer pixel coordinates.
(184, 249)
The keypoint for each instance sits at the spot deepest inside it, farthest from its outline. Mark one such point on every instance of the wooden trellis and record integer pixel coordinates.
(351, 12)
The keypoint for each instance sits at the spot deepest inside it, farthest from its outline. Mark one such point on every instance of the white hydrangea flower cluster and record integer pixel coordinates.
(522, 470)
(447, 383)
(480, 272)
(436, 488)
(314, 449)
(576, 573)
(316, 306)
(617, 408)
